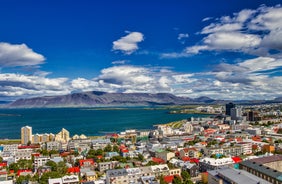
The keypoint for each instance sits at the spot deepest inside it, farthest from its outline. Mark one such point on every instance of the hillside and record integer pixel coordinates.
(96, 98)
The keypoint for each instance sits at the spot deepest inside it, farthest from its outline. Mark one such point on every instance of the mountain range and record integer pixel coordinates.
(98, 98)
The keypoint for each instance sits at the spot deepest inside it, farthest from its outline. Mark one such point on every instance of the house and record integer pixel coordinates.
(87, 163)
(189, 152)
(103, 166)
(165, 155)
(192, 169)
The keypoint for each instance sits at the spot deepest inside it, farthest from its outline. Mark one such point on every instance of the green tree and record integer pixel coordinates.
(25, 164)
(185, 176)
(44, 152)
(141, 157)
(35, 178)
(22, 179)
(176, 180)
(1, 159)
(52, 164)
(14, 167)
(45, 176)
(62, 168)
(116, 148)
(108, 148)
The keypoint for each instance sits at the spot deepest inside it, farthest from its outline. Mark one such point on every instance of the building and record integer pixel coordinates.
(228, 108)
(40, 161)
(236, 113)
(259, 168)
(23, 154)
(230, 175)
(165, 155)
(63, 136)
(72, 179)
(227, 151)
(103, 166)
(207, 164)
(192, 169)
(26, 135)
(189, 152)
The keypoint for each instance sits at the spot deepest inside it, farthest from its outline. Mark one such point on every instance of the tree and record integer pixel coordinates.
(115, 148)
(45, 176)
(176, 180)
(52, 164)
(62, 168)
(14, 167)
(162, 181)
(22, 179)
(185, 175)
(108, 148)
(25, 164)
(141, 157)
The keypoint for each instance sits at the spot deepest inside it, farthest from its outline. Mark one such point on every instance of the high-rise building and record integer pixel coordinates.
(236, 113)
(63, 136)
(26, 135)
(228, 108)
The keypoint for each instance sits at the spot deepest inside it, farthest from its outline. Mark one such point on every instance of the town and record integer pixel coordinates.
(236, 144)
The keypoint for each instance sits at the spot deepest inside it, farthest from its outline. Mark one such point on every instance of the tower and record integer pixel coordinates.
(228, 108)
(26, 135)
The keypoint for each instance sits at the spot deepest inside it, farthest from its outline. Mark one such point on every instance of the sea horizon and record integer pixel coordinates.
(95, 121)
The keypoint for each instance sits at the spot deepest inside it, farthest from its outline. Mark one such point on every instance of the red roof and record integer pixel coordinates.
(3, 164)
(73, 170)
(64, 154)
(124, 151)
(194, 160)
(31, 146)
(236, 159)
(36, 154)
(158, 160)
(168, 178)
(23, 171)
(81, 162)
(99, 156)
(3, 172)
(186, 159)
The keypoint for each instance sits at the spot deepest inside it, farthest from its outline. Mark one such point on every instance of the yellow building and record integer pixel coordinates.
(26, 135)
(63, 136)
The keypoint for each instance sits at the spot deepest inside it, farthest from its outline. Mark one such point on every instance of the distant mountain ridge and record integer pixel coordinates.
(99, 98)
(104, 99)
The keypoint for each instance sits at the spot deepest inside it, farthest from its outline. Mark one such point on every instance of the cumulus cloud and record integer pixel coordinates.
(13, 55)
(19, 85)
(254, 32)
(129, 43)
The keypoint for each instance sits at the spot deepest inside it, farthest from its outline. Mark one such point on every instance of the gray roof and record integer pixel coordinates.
(237, 176)
(268, 159)
(262, 169)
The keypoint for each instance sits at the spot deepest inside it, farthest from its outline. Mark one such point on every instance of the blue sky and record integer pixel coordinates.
(223, 50)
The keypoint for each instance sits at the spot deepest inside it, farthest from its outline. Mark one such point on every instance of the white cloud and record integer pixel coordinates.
(254, 32)
(13, 55)
(19, 85)
(268, 18)
(128, 43)
(221, 28)
(120, 62)
(182, 37)
(231, 41)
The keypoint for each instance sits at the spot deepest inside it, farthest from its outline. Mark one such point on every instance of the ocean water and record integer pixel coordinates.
(87, 121)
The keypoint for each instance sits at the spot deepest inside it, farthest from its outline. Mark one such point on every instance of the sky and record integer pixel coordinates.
(220, 49)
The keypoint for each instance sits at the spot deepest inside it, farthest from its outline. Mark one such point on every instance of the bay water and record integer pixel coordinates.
(87, 121)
